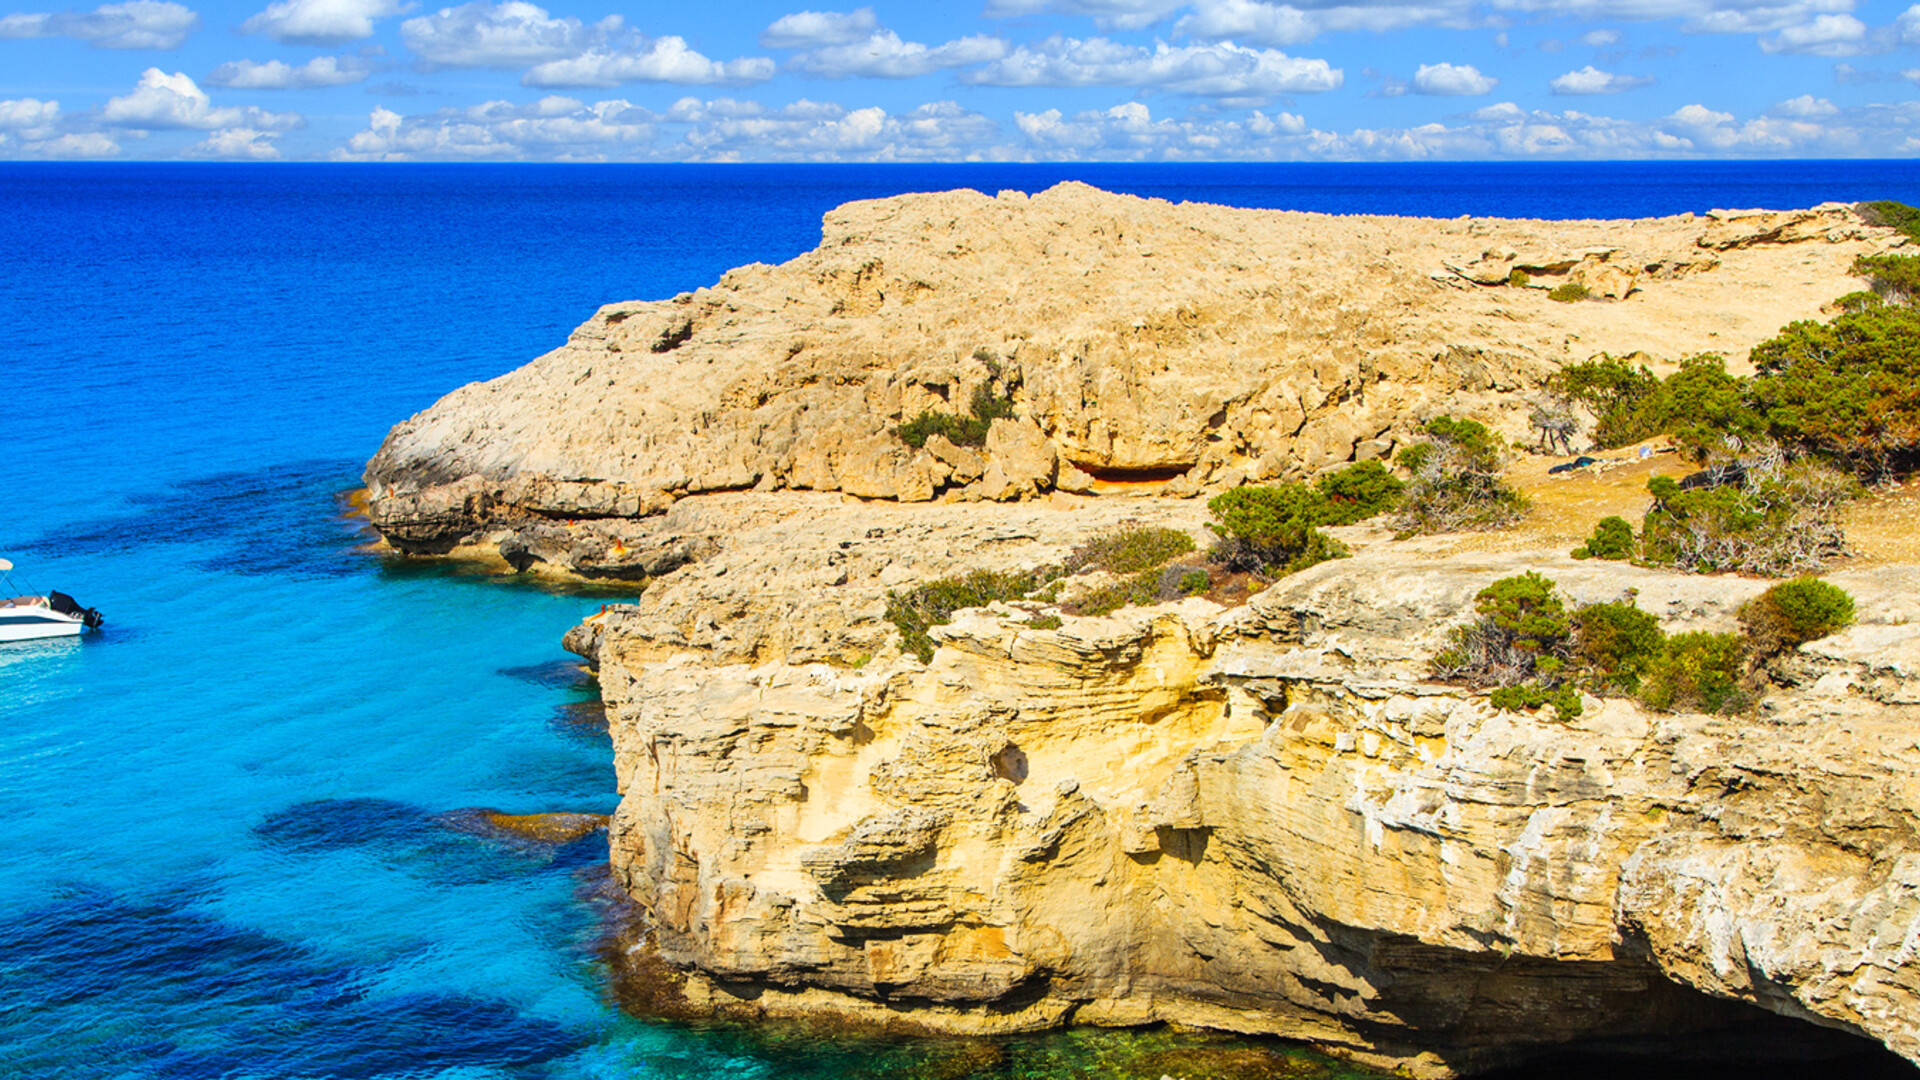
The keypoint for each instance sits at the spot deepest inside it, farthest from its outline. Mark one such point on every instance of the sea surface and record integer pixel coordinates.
(237, 836)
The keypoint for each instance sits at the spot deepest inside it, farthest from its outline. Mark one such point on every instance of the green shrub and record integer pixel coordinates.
(1777, 522)
(1523, 632)
(1272, 530)
(1130, 548)
(1848, 389)
(1456, 481)
(920, 609)
(1612, 539)
(1530, 696)
(1045, 621)
(1569, 293)
(1893, 278)
(1894, 215)
(1156, 586)
(1696, 404)
(1617, 643)
(1518, 278)
(1793, 613)
(1697, 671)
(1356, 492)
(970, 430)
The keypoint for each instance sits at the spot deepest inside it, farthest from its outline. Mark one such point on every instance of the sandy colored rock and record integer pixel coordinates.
(1265, 820)
(1134, 338)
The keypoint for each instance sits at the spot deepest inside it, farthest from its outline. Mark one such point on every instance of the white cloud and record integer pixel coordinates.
(320, 22)
(28, 114)
(74, 146)
(823, 131)
(1130, 132)
(137, 24)
(1591, 80)
(505, 35)
(236, 144)
(1264, 23)
(1452, 80)
(1600, 39)
(1221, 70)
(553, 128)
(1824, 35)
(662, 60)
(174, 101)
(884, 55)
(280, 75)
(1912, 75)
(1806, 106)
(814, 29)
(1107, 14)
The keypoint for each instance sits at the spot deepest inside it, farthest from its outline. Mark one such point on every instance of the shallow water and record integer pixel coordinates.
(225, 852)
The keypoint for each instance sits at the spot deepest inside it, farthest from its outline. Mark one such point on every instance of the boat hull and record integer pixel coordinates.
(30, 624)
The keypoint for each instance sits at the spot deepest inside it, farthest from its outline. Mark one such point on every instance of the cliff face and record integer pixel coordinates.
(1259, 819)
(1198, 345)
(1264, 820)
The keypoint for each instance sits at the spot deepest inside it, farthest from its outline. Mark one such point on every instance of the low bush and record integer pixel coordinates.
(1130, 548)
(1356, 492)
(1155, 586)
(1793, 613)
(1569, 293)
(1779, 520)
(1893, 278)
(918, 610)
(1522, 625)
(1456, 483)
(1272, 530)
(1518, 278)
(1616, 643)
(1698, 671)
(1530, 696)
(1894, 215)
(969, 430)
(1612, 539)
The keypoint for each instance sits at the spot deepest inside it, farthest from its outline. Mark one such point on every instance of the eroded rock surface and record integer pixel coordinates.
(1264, 820)
(1192, 345)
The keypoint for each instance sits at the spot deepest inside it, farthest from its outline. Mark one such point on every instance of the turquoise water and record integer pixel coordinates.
(228, 849)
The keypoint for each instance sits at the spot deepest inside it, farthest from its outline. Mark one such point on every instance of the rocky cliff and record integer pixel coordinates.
(1259, 818)
(1193, 346)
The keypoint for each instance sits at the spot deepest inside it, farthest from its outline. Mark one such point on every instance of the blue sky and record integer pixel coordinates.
(1107, 80)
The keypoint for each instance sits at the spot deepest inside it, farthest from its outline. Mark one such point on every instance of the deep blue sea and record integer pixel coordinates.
(230, 843)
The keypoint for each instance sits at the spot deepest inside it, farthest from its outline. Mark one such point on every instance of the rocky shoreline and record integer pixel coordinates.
(1258, 817)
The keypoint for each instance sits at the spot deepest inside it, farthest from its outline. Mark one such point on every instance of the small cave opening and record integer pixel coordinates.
(1010, 763)
(1756, 1045)
(1109, 475)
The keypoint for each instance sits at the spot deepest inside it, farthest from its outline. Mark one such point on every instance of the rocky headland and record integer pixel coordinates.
(1255, 815)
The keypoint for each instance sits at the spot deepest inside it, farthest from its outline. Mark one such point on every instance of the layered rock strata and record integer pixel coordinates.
(1265, 820)
(1189, 346)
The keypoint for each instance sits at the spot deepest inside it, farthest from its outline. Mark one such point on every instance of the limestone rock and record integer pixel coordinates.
(1264, 819)
(1132, 338)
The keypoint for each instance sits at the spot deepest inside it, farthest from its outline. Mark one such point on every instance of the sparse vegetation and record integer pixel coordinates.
(1357, 492)
(1612, 539)
(1893, 215)
(1272, 531)
(1777, 519)
(1569, 293)
(1521, 644)
(1155, 586)
(1130, 548)
(918, 610)
(1617, 643)
(1698, 671)
(970, 430)
(1456, 483)
(1046, 620)
(1518, 278)
(1793, 613)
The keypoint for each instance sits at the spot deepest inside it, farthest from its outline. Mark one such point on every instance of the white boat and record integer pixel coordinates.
(25, 618)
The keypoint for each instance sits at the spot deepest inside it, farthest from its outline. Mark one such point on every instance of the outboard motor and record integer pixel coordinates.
(67, 605)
